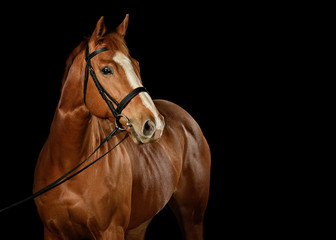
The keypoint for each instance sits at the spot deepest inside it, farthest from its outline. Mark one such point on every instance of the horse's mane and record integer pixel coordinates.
(71, 58)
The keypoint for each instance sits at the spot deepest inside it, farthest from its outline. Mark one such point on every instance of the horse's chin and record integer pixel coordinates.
(137, 139)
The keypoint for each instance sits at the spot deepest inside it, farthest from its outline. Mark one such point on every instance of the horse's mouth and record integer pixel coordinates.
(136, 138)
(139, 139)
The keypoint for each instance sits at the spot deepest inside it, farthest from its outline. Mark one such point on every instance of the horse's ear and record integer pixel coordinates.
(100, 30)
(121, 29)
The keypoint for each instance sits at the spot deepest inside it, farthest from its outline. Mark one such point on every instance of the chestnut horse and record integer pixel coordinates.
(166, 160)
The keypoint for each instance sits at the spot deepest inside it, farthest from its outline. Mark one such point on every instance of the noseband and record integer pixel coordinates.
(104, 94)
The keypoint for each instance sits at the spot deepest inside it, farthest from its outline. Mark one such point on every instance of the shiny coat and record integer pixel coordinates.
(117, 197)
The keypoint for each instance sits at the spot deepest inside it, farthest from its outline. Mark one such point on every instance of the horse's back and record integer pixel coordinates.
(177, 116)
(179, 121)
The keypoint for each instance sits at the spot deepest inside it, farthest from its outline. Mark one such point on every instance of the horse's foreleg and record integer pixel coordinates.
(47, 235)
(139, 232)
(190, 220)
(113, 233)
(189, 208)
(190, 199)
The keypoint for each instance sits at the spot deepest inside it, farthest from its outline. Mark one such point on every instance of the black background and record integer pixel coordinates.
(212, 60)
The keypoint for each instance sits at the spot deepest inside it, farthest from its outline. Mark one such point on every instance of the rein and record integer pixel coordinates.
(66, 176)
(118, 128)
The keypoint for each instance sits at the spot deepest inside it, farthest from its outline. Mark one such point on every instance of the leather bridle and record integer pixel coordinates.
(104, 94)
(118, 128)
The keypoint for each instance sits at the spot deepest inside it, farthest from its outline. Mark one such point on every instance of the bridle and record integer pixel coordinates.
(104, 94)
(118, 128)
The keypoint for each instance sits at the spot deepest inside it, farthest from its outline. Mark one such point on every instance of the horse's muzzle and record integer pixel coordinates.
(147, 133)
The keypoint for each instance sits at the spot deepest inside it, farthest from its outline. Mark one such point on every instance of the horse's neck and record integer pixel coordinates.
(72, 130)
(69, 127)
(75, 134)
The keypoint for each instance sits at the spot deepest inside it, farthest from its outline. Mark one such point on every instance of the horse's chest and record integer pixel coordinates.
(91, 199)
(154, 181)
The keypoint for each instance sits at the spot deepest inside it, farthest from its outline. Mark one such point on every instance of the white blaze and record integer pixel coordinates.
(134, 81)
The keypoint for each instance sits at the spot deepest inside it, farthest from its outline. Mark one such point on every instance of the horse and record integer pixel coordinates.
(165, 161)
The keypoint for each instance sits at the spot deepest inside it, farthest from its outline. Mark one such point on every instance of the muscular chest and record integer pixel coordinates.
(155, 176)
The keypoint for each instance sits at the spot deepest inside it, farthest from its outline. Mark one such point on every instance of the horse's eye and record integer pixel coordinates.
(107, 70)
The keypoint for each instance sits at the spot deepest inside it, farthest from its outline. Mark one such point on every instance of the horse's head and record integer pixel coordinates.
(119, 74)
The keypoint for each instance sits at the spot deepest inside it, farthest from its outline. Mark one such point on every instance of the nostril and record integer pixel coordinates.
(148, 128)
